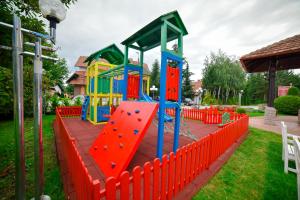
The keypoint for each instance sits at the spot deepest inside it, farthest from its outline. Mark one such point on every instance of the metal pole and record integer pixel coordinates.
(18, 107)
(38, 113)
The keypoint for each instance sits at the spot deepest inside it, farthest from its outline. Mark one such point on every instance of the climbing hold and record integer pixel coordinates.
(114, 129)
(119, 135)
(105, 147)
(139, 119)
(112, 122)
(113, 165)
(128, 113)
(95, 147)
(136, 131)
(121, 145)
(137, 111)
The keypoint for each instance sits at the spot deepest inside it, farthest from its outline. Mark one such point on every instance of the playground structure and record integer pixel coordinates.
(96, 164)
(100, 84)
(104, 84)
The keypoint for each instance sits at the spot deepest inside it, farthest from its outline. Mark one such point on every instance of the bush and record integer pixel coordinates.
(77, 102)
(241, 110)
(294, 91)
(209, 100)
(287, 104)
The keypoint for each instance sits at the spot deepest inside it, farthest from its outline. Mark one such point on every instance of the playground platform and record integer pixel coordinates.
(85, 134)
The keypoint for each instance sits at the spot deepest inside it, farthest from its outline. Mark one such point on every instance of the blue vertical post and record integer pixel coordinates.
(141, 83)
(125, 83)
(177, 110)
(162, 106)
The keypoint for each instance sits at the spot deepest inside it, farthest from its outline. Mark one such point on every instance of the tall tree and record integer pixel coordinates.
(155, 74)
(54, 72)
(187, 88)
(223, 76)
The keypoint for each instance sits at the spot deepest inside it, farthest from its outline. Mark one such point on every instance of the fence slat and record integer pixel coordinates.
(124, 185)
(163, 190)
(156, 172)
(146, 184)
(171, 176)
(177, 170)
(110, 187)
(136, 174)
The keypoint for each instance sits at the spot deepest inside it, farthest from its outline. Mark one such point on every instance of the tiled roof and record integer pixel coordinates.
(288, 45)
(286, 52)
(77, 78)
(80, 62)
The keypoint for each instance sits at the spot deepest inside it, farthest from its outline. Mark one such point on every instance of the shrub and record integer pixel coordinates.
(209, 100)
(77, 102)
(241, 110)
(294, 91)
(287, 104)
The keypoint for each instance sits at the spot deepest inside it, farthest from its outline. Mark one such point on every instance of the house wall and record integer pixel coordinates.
(79, 90)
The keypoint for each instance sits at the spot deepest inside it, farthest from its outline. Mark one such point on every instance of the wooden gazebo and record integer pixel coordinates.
(281, 55)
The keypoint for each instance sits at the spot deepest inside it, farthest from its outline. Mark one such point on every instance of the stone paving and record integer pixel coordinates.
(291, 122)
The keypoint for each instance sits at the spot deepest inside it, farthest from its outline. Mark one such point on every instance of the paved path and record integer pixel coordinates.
(291, 122)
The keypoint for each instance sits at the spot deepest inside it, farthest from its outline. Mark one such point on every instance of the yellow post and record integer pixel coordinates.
(95, 92)
(111, 90)
(148, 85)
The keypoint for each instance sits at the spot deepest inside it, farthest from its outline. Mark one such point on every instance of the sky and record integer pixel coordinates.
(237, 27)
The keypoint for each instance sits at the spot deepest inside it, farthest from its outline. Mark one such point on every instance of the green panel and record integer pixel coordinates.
(103, 85)
(150, 35)
(111, 53)
(92, 113)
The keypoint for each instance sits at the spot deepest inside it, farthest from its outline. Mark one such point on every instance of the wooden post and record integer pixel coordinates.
(271, 89)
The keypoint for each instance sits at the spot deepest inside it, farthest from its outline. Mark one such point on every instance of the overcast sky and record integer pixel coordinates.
(237, 26)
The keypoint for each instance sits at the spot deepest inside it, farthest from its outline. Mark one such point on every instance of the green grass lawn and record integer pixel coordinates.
(255, 113)
(53, 184)
(255, 171)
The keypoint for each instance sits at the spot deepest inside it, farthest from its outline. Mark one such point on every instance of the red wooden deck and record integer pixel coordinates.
(85, 133)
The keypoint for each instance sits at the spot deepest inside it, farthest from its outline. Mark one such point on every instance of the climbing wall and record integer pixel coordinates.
(121, 136)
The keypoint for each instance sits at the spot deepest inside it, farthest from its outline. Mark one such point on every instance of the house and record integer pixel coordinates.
(198, 91)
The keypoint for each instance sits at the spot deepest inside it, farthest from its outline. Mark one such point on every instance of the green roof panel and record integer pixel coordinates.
(149, 37)
(111, 53)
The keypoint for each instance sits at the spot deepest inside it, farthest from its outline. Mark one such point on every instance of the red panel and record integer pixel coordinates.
(133, 86)
(172, 84)
(121, 136)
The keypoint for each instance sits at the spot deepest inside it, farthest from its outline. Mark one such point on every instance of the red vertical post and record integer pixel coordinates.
(124, 185)
(136, 174)
(177, 170)
(171, 176)
(156, 170)
(110, 187)
(164, 166)
(147, 172)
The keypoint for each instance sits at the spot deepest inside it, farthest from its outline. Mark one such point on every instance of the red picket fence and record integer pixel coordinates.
(69, 111)
(207, 115)
(83, 185)
(155, 180)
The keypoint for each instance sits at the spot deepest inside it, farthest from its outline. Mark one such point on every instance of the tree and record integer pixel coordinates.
(187, 88)
(54, 72)
(155, 74)
(223, 76)
(256, 89)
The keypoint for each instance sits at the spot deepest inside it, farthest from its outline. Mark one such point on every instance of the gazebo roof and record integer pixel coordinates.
(149, 37)
(286, 52)
(111, 53)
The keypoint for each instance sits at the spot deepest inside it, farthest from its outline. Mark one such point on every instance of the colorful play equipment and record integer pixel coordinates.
(127, 125)
(104, 84)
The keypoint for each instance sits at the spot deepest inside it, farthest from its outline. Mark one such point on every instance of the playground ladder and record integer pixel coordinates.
(85, 107)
